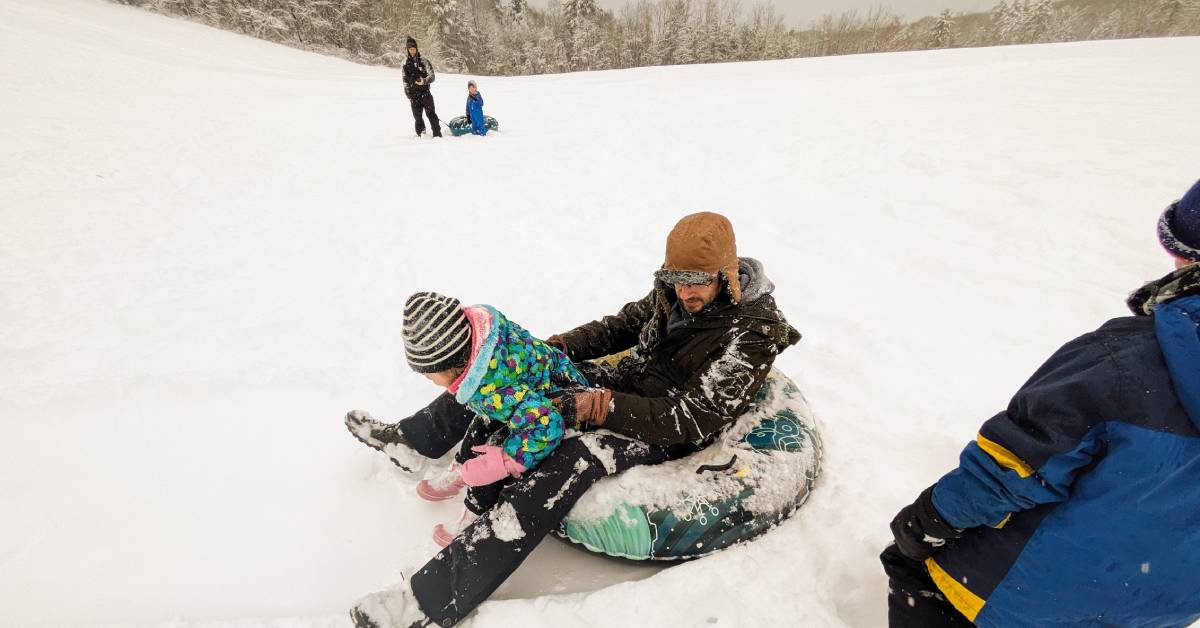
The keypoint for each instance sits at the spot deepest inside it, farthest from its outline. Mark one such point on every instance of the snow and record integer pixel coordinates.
(505, 524)
(606, 456)
(207, 242)
(581, 465)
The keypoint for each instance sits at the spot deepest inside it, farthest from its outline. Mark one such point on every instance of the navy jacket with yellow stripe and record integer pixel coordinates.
(1081, 501)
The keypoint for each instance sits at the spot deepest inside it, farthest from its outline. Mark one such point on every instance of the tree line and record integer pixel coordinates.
(510, 37)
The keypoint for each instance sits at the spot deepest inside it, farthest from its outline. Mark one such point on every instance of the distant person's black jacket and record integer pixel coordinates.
(417, 67)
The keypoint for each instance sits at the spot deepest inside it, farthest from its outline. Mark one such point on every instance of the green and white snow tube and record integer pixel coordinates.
(462, 126)
(760, 471)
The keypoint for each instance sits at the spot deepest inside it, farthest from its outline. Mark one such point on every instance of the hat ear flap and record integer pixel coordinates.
(732, 286)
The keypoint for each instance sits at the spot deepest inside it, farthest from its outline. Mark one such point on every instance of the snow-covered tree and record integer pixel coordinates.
(716, 35)
(635, 30)
(512, 37)
(1169, 17)
(587, 43)
(765, 37)
(1039, 22)
(450, 34)
(676, 40)
(576, 10)
(512, 11)
(942, 33)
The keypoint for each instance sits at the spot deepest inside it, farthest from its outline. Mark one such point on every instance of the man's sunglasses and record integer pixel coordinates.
(684, 277)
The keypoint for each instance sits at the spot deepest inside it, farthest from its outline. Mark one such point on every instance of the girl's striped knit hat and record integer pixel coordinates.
(437, 335)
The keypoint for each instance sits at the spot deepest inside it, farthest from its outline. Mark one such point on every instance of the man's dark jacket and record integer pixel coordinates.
(682, 384)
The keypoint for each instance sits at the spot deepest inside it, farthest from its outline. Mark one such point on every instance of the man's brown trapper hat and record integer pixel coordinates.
(704, 242)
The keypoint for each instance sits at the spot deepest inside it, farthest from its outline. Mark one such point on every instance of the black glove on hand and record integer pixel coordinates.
(920, 530)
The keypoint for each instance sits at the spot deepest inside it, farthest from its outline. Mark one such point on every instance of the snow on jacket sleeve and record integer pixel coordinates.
(720, 391)
(611, 334)
(1032, 453)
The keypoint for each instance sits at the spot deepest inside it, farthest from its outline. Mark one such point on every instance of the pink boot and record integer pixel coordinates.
(444, 535)
(441, 487)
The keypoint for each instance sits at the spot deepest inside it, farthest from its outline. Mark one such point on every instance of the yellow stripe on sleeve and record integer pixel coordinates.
(960, 596)
(1004, 457)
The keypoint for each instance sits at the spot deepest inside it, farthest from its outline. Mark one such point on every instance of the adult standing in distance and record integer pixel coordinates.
(418, 75)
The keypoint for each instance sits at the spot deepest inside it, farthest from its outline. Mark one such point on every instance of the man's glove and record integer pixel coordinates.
(587, 406)
(920, 530)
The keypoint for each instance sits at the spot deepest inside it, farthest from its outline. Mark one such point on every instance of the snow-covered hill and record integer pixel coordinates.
(206, 240)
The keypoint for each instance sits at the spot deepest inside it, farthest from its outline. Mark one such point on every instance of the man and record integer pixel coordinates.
(418, 76)
(702, 341)
(1080, 504)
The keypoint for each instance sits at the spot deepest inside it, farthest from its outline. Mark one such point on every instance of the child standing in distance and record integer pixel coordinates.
(502, 373)
(475, 109)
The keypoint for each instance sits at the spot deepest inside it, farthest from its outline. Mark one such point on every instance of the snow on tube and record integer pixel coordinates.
(462, 126)
(755, 476)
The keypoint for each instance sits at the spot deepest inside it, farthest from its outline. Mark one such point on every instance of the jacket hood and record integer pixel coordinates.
(1177, 328)
(754, 280)
(1174, 302)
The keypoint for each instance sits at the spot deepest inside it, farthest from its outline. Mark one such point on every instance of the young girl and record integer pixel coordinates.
(502, 373)
(475, 109)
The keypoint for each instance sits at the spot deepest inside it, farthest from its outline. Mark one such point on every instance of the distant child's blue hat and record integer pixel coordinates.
(1179, 226)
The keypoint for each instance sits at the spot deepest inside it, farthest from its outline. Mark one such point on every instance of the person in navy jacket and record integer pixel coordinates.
(475, 109)
(1078, 505)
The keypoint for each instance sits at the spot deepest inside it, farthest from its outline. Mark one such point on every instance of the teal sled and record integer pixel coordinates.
(754, 477)
(462, 126)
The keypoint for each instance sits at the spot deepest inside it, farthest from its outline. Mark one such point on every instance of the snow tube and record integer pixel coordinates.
(755, 476)
(462, 126)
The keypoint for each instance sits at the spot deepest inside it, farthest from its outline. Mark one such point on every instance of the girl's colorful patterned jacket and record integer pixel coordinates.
(509, 378)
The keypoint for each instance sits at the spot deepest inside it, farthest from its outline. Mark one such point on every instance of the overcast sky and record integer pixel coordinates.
(801, 12)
